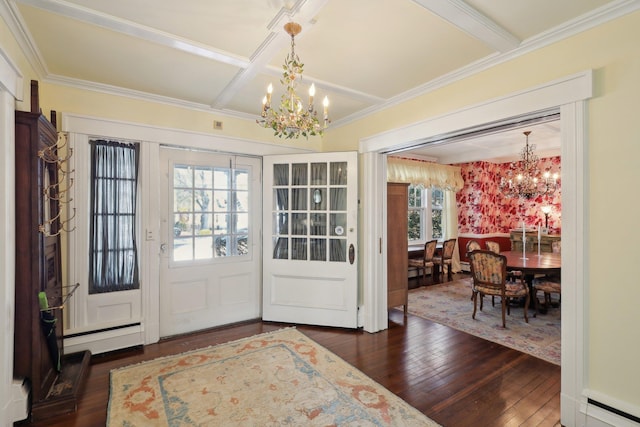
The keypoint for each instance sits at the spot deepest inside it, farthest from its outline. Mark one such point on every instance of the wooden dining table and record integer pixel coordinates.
(532, 263)
(547, 263)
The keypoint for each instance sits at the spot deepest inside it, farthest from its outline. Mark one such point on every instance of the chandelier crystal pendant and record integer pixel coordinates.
(525, 180)
(291, 119)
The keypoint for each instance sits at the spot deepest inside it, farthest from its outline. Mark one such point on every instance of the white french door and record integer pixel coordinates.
(310, 237)
(210, 253)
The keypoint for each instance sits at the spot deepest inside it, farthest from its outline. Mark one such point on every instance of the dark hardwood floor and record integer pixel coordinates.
(454, 378)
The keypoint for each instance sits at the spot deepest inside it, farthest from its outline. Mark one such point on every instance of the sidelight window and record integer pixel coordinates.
(113, 253)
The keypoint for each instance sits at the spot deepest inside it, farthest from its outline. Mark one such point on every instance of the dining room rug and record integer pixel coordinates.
(450, 304)
(273, 379)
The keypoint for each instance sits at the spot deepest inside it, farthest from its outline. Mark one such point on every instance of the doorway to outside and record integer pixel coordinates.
(210, 252)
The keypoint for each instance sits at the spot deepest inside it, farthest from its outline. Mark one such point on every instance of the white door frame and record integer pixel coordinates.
(570, 94)
(153, 137)
(13, 395)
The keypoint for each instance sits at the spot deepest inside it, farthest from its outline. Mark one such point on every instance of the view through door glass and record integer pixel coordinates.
(210, 209)
(310, 211)
(210, 269)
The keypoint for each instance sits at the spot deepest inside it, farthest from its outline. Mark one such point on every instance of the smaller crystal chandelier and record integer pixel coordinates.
(525, 180)
(291, 119)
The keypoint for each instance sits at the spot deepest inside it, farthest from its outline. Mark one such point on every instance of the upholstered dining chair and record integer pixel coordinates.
(489, 273)
(473, 245)
(547, 286)
(448, 246)
(426, 261)
(495, 248)
(492, 246)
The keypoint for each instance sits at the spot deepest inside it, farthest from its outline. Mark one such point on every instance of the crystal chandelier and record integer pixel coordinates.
(291, 119)
(525, 180)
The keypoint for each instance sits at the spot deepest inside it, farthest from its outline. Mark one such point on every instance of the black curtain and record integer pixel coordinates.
(113, 254)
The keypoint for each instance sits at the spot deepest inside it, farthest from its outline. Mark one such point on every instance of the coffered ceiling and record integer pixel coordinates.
(220, 55)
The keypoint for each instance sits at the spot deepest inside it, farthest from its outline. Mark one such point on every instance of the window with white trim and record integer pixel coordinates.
(425, 213)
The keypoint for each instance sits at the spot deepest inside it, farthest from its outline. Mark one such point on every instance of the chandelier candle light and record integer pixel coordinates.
(527, 182)
(291, 119)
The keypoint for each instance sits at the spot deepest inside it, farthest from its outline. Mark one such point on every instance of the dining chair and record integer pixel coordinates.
(425, 262)
(489, 273)
(448, 246)
(472, 245)
(548, 286)
(492, 246)
(495, 248)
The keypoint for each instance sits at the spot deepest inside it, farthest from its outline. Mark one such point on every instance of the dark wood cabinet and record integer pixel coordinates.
(38, 269)
(397, 245)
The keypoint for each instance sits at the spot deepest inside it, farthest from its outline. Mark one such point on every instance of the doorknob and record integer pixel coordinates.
(163, 247)
(352, 253)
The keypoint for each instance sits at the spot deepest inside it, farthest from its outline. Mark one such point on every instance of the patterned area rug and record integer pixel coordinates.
(450, 304)
(274, 379)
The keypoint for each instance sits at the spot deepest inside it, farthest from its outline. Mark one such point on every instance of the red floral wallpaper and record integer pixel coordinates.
(482, 208)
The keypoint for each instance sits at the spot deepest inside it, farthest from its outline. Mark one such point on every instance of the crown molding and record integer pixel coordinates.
(9, 12)
(568, 29)
(143, 96)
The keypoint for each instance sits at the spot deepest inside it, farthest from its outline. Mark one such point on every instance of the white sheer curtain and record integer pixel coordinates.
(448, 178)
(450, 226)
(426, 173)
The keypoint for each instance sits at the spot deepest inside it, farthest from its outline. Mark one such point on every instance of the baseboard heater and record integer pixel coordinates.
(613, 410)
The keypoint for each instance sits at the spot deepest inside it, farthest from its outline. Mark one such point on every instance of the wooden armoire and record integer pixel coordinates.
(397, 245)
(39, 269)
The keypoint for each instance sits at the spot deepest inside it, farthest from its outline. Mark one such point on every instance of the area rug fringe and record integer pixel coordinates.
(274, 378)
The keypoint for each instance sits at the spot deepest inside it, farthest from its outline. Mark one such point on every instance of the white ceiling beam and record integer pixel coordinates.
(133, 29)
(302, 12)
(472, 22)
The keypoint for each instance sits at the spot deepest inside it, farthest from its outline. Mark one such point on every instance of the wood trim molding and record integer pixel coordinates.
(570, 94)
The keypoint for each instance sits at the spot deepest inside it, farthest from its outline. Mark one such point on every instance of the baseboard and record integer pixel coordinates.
(105, 341)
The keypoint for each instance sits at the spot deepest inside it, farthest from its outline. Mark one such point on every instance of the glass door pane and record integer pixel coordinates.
(210, 211)
(308, 210)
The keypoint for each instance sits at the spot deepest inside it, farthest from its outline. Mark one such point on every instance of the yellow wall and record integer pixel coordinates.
(70, 100)
(613, 52)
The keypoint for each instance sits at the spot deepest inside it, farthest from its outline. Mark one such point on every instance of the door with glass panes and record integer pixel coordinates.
(210, 224)
(309, 239)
